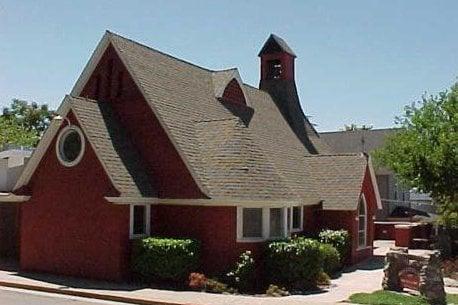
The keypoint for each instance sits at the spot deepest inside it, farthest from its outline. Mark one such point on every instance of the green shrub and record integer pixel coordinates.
(331, 259)
(294, 263)
(243, 275)
(339, 239)
(156, 259)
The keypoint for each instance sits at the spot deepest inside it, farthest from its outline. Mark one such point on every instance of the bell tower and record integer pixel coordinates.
(277, 78)
(277, 60)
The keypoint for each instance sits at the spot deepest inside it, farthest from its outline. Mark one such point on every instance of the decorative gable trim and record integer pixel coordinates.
(90, 68)
(374, 183)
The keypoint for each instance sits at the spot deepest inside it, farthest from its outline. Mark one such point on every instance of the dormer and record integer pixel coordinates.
(277, 60)
(228, 87)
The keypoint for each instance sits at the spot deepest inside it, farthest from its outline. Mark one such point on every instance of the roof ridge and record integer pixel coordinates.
(160, 52)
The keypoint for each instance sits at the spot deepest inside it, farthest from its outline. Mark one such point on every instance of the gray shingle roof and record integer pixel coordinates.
(112, 145)
(356, 140)
(237, 152)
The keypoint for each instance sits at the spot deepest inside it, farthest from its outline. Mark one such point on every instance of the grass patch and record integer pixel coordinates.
(382, 297)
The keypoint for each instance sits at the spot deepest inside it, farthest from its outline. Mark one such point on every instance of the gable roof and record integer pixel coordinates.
(354, 141)
(248, 152)
(109, 141)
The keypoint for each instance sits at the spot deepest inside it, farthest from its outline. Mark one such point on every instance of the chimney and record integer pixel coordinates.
(277, 78)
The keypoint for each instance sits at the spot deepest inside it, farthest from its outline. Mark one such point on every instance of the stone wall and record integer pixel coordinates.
(419, 272)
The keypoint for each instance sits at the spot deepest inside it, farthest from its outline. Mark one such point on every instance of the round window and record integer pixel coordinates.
(70, 146)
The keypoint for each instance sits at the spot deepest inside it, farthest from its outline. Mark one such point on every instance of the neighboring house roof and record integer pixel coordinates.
(236, 152)
(23, 153)
(354, 141)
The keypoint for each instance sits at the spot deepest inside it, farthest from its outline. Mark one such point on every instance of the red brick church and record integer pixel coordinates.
(149, 144)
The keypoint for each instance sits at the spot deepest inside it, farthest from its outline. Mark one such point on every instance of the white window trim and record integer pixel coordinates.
(364, 245)
(147, 221)
(266, 223)
(64, 132)
(301, 219)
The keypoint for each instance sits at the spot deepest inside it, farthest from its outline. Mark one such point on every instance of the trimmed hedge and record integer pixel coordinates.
(331, 259)
(293, 263)
(339, 239)
(156, 258)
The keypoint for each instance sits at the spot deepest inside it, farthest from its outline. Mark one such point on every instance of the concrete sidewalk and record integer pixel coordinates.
(365, 277)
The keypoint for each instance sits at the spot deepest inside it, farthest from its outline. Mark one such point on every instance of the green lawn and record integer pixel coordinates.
(382, 297)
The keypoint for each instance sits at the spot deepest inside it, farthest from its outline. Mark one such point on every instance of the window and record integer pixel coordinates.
(139, 220)
(276, 223)
(260, 224)
(275, 69)
(362, 222)
(297, 218)
(252, 223)
(70, 146)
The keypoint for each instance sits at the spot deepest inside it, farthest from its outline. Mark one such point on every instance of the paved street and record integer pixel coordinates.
(23, 297)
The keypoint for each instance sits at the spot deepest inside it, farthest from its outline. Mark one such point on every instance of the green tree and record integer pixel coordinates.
(424, 153)
(32, 116)
(13, 133)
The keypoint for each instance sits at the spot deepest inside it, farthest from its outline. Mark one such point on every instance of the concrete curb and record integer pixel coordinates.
(85, 294)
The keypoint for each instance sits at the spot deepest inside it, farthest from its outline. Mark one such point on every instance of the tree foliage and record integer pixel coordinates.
(23, 123)
(31, 116)
(424, 153)
(13, 133)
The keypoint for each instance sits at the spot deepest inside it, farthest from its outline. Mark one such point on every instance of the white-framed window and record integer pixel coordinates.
(140, 215)
(256, 224)
(70, 146)
(252, 223)
(362, 222)
(295, 218)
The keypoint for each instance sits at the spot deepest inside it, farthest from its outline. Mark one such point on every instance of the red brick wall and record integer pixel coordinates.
(233, 93)
(214, 227)
(348, 220)
(67, 227)
(168, 172)
(312, 221)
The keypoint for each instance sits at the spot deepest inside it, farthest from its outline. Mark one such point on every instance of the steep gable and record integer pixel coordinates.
(106, 138)
(163, 162)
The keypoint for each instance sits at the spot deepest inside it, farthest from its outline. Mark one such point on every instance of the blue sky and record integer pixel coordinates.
(358, 61)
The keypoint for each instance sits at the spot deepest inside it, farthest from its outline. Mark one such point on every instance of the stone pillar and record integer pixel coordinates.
(432, 282)
(396, 260)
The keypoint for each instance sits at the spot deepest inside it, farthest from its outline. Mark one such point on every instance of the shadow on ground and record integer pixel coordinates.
(374, 263)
